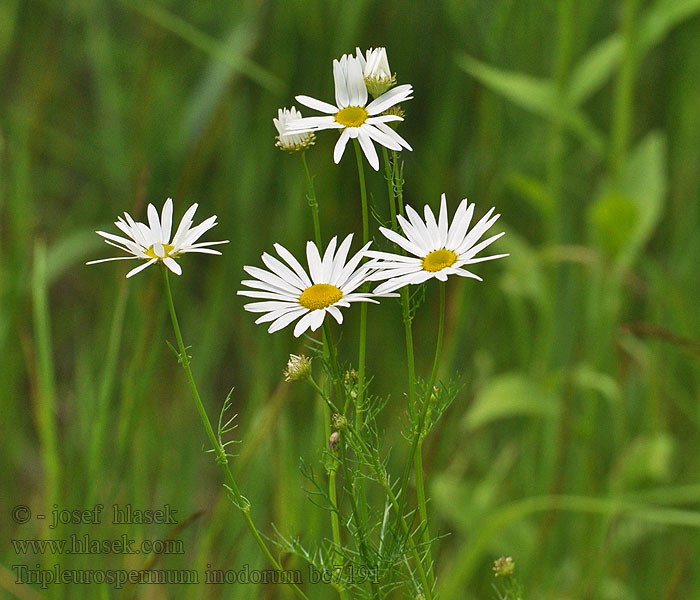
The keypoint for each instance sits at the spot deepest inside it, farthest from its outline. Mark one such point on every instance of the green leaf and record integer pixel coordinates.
(510, 395)
(599, 64)
(629, 209)
(536, 95)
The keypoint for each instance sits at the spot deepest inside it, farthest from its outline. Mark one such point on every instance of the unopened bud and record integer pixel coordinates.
(339, 421)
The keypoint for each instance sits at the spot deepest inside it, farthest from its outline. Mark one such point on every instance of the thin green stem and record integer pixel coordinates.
(313, 203)
(394, 182)
(240, 501)
(418, 457)
(46, 396)
(381, 477)
(365, 287)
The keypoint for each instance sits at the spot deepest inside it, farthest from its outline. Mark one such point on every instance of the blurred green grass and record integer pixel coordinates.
(573, 446)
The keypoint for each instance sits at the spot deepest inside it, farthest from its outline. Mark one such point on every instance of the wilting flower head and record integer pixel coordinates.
(298, 367)
(353, 115)
(438, 248)
(288, 293)
(152, 242)
(375, 69)
(291, 142)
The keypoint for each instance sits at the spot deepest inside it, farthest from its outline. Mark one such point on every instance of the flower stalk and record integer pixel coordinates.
(239, 500)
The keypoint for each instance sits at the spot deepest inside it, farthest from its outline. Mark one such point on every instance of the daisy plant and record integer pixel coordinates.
(152, 244)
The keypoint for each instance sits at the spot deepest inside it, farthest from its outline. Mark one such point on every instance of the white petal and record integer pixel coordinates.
(184, 226)
(340, 258)
(368, 148)
(281, 271)
(327, 262)
(318, 105)
(443, 221)
(154, 223)
(389, 99)
(268, 306)
(480, 246)
(302, 325)
(281, 296)
(286, 319)
(101, 260)
(379, 136)
(166, 220)
(342, 98)
(307, 124)
(314, 260)
(294, 263)
(460, 224)
(357, 90)
(401, 241)
(140, 268)
(317, 317)
(172, 265)
(289, 286)
(431, 224)
(340, 145)
(336, 313)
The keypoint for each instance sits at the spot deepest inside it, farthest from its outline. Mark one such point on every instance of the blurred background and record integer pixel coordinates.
(573, 445)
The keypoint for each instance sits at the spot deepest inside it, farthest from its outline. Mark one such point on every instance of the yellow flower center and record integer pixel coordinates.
(320, 295)
(438, 260)
(352, 116)
(160, 251)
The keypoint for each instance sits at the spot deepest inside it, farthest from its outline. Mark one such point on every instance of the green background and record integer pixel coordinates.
(573, 445)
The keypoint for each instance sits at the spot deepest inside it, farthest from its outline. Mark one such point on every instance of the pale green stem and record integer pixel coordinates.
(405, 308)
(418, 458)
(332, 494)
(383, 481)
(365, 287)
(221, 459)
(46, 397)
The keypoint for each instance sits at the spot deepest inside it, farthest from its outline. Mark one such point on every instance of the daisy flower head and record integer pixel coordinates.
(291, 142)
(287, 292)
(438, 249)
(152, 243)
(375, 69)
(352, 115)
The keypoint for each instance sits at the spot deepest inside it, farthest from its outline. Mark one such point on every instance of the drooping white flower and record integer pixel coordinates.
(375, 69)
(438, 249)
(288, 293)
(152, 242)
(291, 141)
(353, 115)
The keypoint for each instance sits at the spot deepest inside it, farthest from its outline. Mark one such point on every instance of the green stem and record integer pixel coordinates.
(381, 477)
(365, 287)
(240, 501)
(313, 203)
(396, 193)
(418, 457)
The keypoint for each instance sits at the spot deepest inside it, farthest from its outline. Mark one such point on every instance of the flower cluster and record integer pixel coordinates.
(287, 292)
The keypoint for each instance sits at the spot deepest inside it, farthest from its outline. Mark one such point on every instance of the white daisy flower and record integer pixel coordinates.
(376, 71)
(353, 115)
(288, 293)
(152, 242)
(291, 142)
(438, 249)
